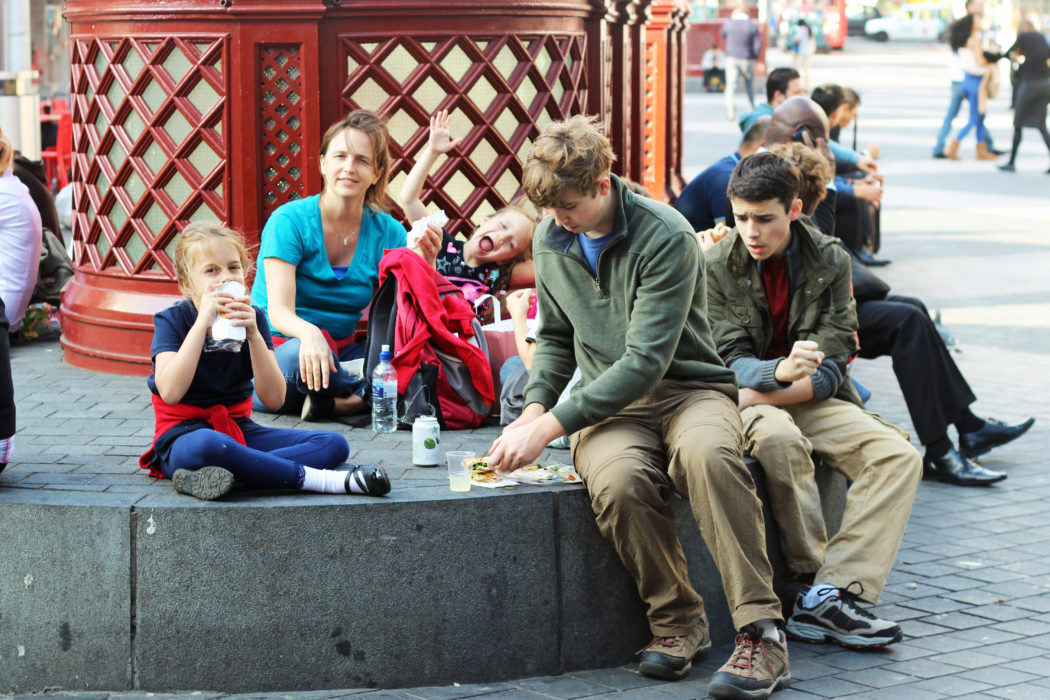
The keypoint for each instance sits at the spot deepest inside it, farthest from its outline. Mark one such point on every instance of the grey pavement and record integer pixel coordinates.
(970, 585)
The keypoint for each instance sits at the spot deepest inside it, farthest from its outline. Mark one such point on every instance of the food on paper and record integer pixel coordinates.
(485, 475)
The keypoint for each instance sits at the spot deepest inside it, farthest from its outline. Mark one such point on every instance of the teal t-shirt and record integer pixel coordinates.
(294, 234)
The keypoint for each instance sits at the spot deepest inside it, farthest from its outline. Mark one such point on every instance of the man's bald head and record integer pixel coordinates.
(792, 115)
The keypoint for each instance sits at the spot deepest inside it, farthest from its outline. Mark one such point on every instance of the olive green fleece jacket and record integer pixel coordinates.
(822, 309)
(641, 319)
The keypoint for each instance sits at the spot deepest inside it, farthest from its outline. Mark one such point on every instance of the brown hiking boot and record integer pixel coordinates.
(757, 668)
(671, 658)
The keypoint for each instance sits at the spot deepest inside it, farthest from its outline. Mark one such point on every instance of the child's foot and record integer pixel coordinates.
(206, 483)
(369, 479)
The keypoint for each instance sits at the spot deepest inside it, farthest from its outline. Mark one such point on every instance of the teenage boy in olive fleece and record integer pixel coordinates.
(621, 289)
(785, 321)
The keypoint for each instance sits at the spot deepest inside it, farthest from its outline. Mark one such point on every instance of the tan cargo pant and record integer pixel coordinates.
(686, 434)
(885, 470)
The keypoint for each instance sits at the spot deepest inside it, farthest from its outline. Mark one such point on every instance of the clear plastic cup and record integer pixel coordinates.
(459, 469)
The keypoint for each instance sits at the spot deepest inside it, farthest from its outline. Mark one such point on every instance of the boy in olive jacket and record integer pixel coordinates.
(784, 319)
(621, 291)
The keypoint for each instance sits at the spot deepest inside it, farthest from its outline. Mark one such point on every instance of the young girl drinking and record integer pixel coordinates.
(498, 255)
(202, 389)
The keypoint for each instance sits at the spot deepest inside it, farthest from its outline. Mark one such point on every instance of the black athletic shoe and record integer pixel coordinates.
(839, 619)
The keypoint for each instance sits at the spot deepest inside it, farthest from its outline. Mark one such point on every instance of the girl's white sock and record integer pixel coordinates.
(326, 481)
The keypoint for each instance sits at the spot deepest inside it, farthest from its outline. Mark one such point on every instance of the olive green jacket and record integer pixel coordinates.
(822, 309)
(641, 319)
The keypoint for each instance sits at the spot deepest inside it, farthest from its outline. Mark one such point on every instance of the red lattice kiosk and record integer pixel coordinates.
(214, 110)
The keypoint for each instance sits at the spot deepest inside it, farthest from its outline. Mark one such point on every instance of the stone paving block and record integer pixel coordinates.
(897, 693)
(881, 677)
(1018, 588)
(849, 660)
(975, 596)
(999, 611)
(618, 679)
(914, 589)
(561, 687)
(928, 667)
(447, 692)
(895, 612)
(955, 620)
(934, 604)
(1026, 627)
(830, 687)
(951, 685)
(808, 669)
(920, 628)
(1009, 673)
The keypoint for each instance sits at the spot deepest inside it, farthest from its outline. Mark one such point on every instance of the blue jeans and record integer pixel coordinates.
(971, 85)
(272, 459)
(953, 111)
(339, 382)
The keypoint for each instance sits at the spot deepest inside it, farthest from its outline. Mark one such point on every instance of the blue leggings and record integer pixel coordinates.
(272, 459)
(971, 87)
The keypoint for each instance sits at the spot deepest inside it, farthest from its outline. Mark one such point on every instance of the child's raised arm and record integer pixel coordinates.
(440, 141)
(270, 385)
(173, 371)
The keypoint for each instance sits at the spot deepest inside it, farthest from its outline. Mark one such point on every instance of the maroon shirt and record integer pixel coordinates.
(778, 294)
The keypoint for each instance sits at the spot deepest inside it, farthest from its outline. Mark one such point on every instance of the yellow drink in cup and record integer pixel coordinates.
(459, 469)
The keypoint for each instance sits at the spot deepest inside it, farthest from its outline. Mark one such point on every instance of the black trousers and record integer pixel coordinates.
(7, 392)
(854, 221)
(934, 389)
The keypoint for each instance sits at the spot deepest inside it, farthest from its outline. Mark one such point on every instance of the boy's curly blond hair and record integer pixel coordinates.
(568, 155)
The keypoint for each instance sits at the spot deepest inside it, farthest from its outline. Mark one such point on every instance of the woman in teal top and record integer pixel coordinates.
(319, 265)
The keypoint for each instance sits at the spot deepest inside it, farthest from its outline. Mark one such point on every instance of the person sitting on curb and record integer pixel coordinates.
(796, 398)
(934, 388)
(703, 200)
(781, 83)
(621, 290)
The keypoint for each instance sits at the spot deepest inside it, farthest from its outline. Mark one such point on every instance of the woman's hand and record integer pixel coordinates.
(440, 140)
(315, 360)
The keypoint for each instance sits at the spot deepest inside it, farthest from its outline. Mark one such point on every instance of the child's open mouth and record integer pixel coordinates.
(485, 244)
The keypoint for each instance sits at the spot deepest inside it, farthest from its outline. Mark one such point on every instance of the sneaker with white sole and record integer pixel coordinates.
(206, 483)
(671, 658)
(757, 668)
(838, 618)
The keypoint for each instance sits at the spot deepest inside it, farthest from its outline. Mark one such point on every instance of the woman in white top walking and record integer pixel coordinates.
(966, 41)
(805, 45)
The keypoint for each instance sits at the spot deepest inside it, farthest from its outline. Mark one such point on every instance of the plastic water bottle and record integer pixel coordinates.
(384, 394)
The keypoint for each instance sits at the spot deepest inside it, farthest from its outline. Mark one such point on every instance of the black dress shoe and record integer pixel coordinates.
(993, 434)
(953, 468)
(870, 260)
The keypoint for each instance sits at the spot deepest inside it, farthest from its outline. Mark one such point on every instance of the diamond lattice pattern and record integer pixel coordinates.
(281, 106)
(148, 147)
(500, 90)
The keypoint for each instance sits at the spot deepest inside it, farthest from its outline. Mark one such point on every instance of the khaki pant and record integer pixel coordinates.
(876, 456)
(690, 437)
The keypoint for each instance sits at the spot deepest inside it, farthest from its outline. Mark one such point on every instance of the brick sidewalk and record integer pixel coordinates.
(970, 586)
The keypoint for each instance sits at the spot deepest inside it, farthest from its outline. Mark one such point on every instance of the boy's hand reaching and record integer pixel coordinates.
(803, 362)
(441, 140)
